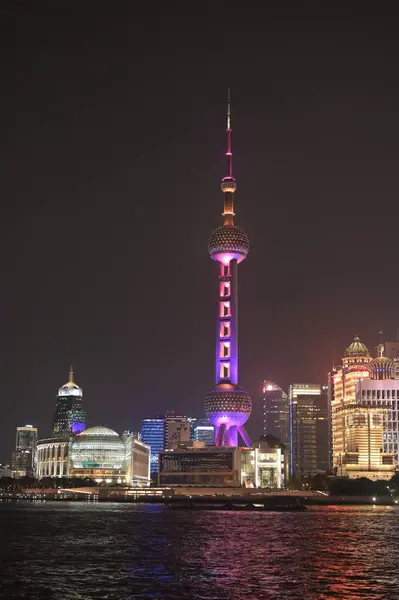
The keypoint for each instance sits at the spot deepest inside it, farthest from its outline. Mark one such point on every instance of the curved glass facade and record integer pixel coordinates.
(98, 448)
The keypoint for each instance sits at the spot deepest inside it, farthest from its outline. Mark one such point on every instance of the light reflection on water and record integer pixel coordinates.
(65, 551)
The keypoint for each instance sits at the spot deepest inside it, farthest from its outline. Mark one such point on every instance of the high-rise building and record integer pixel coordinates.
(309, 447)
(275, 412)
(202, 430)
(70, 415)
(358, 420)
(382, 390)
(228, 406)
(177, 429)
(391, 350)
(23, 459)
(153, 434)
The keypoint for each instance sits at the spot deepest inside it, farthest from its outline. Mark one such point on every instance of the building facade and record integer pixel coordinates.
(382, 391)
(153, 435)
(309, 430)
(202, 430)
(228, 406)
(177, 429)
(219, 466)
(97, 453)
(70, 415)
(23, 458)
(357, 423)
(52, 457)
(137, 461)
(275, 412)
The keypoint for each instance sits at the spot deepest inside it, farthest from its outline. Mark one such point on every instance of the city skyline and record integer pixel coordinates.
(109, 176)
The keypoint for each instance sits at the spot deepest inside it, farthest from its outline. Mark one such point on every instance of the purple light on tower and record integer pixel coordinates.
(228, 406)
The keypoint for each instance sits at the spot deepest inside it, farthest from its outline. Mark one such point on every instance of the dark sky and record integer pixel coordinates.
(112, 150)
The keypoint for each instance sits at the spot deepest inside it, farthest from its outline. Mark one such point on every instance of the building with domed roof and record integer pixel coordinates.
(358, 448)
(98, 453)
(382, 390)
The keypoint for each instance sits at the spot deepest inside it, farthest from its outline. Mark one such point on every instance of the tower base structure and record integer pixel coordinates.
(228, 407)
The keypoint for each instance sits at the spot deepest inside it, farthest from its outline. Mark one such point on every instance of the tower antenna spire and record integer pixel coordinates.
(228, 153)
(228, 182)
(70, 374)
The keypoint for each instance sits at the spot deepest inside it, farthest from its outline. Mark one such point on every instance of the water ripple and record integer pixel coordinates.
(81, 551)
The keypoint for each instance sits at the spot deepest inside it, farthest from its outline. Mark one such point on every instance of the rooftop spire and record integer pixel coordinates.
(228, 182)
(228, 153)
(70, 380)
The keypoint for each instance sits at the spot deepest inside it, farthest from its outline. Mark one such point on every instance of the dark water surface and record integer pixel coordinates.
(66, 551)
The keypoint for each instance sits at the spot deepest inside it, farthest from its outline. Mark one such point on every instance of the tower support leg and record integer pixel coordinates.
(246, 439)
(232, 436)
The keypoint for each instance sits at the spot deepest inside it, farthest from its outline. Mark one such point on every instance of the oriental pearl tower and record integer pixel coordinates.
(228, 406)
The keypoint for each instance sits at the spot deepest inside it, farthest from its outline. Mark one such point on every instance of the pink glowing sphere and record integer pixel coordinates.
(228, 242)
(228, 404)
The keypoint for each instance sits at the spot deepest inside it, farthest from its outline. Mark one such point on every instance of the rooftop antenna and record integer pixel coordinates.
(70, 374)
(229, 153)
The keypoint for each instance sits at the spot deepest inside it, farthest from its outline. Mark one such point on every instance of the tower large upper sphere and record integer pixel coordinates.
(228, 242)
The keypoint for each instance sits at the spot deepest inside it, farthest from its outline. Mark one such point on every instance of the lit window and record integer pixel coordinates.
(225, 309)
(225, 350)
(224, 370)
(224, 330)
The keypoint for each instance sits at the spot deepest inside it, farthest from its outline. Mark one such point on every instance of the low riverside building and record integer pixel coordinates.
(97, 453)
(222, 466)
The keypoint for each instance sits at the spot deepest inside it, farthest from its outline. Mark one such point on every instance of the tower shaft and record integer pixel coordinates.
(227, 325)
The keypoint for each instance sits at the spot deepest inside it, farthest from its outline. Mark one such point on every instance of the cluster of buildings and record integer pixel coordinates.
(76, 450)
(348, 427)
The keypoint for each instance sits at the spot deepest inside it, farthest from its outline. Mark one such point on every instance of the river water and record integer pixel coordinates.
(65, 551)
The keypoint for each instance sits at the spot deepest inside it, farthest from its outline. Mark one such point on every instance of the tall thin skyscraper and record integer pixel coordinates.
(309, 429)
(153, 434)
(275, 412)
(23, 459)
(70, 415)
(228, 406)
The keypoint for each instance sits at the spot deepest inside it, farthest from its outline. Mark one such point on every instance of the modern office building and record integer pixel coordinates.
(357, 422)
(23, 458)
(5, 471)
(153, 435)
(275, 412)
(309, 430)
(202, 430)
(70, 416)
(177, 429)
(137, 461)
(222, 466)
(228, 406)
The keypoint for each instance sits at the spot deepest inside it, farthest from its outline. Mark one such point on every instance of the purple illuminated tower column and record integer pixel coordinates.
(228, 406)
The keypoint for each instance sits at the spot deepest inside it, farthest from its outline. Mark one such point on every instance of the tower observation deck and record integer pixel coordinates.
(228, 406)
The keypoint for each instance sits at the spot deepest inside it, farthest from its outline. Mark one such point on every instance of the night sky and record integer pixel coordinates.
(112, 151)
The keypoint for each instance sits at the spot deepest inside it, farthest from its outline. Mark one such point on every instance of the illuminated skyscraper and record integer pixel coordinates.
(309, 429)
(70, 415)
(23, 459)
(275, 412)
(202, 430)
(153, 434)
(228, 406)
(382, 389)
(358, 420)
